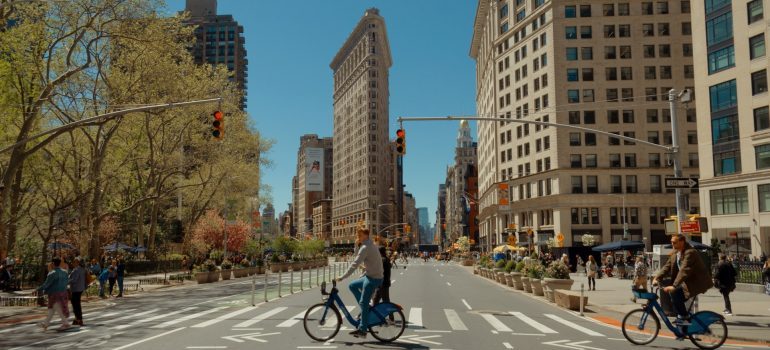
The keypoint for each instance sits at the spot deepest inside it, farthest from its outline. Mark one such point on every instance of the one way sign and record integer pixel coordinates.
(682, 182)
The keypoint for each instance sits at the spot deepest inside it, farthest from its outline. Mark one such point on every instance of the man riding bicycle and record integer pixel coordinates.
(691, 277)
(364, 287)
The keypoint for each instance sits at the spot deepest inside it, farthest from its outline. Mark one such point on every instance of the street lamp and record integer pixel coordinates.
(625, 222)
(377, 225)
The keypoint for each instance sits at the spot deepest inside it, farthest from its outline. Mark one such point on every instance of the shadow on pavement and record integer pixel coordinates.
(374, 344)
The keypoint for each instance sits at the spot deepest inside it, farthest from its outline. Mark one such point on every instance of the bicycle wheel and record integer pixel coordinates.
(640, 327)
(392, 328)
(715, 333)
(322, 323)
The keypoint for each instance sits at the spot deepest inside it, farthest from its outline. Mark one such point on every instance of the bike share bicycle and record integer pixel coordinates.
(386, 320)
(706, 329)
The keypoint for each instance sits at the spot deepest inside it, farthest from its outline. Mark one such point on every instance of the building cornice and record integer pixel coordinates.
(479, 23)
(352, 40)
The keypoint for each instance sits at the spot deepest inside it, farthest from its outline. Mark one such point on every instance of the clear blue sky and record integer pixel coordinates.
(290, 46)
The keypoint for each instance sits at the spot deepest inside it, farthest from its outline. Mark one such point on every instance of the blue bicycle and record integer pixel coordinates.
(322, 321)
(707, 329)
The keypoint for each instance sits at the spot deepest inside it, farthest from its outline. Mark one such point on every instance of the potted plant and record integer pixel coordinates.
(508, 269)
(259, 266)
(556, 276)
(227, 269)
(481, 265)
(535, 273)
(499, 271)
(201, 274)
(516, 276)
(211, 267)
(526, 286)
(241, 269)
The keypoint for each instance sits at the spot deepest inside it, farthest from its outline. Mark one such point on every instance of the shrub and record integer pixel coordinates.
(209, 265)
(519, 266)
(483, 261)
(500, 264)
(226, 264)
(509, 266)
(535, 271)
(557, 269)
(244, 263)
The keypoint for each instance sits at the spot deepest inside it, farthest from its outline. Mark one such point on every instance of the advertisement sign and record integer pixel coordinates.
(502, 196)
(314, 165)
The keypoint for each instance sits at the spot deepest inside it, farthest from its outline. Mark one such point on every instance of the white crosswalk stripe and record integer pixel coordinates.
(146, 320)
(454, 320)
(188, 317)
(574, 325)
(294, 320)
(223, 317)
(537, 325)
(415, 317)
(497, 324)
(260, 317)
(132, 316)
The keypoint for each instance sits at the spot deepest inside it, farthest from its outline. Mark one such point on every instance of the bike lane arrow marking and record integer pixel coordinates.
(415, 339)
(249, 336)
(567, 345)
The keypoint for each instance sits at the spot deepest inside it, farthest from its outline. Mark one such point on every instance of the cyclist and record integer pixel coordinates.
(369, 256)
(691, 277)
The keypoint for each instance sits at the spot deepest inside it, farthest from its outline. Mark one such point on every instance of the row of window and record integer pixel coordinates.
(590, 216)
(627, 94)
(623, 9)
(736, 200)
(625, 52)
(614, 160)
(626, 73)
(589, 138)
(624, 30)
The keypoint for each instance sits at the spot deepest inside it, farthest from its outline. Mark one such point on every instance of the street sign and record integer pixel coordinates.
(690, 226)
(682, 182)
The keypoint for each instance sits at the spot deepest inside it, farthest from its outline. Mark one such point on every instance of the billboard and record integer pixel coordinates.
(314, 173)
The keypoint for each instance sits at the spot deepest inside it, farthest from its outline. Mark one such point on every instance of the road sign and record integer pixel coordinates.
(682, 182)
(690, 226)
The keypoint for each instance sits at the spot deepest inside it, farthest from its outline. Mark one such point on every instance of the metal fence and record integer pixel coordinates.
(139, 267)
(748, 272)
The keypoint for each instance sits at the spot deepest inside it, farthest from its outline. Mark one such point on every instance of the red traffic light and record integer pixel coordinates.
(218, 115)
(218, 125)
(401, 141)
(400, 133)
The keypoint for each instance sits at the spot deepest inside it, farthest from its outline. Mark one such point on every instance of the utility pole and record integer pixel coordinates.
(685, 96)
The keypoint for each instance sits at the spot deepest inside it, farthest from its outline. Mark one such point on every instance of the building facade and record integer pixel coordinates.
(308, 193)
(363, 171)
(458, 199)
(439, 237)
(219, 41)
(322, 219)
(593, 64)
(732, 100)
(425, 236)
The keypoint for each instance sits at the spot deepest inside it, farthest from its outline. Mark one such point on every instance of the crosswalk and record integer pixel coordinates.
(419, 319)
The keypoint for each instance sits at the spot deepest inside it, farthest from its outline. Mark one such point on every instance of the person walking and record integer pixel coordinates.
(724, 280)
(640, 273)
(580, 263)
(690, 275)
(103, 276)
(363, 288)
(383, 293)
(77, 281)
(112, 276)
(591, 269)
(121, 272)
(55, 286)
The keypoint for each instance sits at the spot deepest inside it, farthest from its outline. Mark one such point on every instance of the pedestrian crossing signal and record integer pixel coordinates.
(401, 142)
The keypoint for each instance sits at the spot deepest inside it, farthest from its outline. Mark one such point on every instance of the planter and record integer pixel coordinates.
(551, 284)
(526, 285)
(202, 277)
(226, 274)
(213, 276)
(500, 278)
(495, 272)
(476, 270)
(279, 266)
(508, 280)
(468, 262)
(516, 277)
(537, 287)
(239, 273)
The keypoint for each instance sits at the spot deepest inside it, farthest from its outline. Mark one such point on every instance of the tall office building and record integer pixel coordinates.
(594, 64)
(363, 174)
(439, 237)
(422, 218)
(731, 67)
(219, 41)
(458, 199)
(315, 159)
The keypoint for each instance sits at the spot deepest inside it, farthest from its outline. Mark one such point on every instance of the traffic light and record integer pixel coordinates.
(218, 125)
(401, 141)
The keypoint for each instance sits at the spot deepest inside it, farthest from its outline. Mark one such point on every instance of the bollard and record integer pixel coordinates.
(301, 279)
(266, 271)
(279, 283)
(291, 281)
(317, 272)
(581, 298)
(253, 289)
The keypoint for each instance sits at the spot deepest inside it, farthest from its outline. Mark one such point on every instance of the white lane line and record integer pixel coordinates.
(415, 317)
(260, 317)
(206, 347)
(316, 347)
(574, 326)
(466, 304)
(448, 284)
(150, 338)
(537, 325)
(132, 316)
(454, 320)
(49, 339)
(508, 345)
(223, 317)
(188, 317)
(499, 326)
(19, 327)
(124, 326)
(296, 318)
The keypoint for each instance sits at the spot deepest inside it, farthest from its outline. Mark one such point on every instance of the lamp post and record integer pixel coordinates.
(623, 218)
(377, 210)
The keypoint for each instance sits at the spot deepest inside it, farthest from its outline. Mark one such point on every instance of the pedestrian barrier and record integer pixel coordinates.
(569, 299)
(22, 300)
(154, 280)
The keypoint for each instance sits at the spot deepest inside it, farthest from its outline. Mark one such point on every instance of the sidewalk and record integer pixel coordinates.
(749, 322)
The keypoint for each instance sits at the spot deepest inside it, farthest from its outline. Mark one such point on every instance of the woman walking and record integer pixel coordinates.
(640, 273)
(55, 286)
(724, 280)
(77, 281)
(591, 272)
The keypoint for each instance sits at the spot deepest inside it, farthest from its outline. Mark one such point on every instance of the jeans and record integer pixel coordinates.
(591, 282)
(101, 288)
(76, 306)
(677, 302)
(120, 286)
(726, 296)
(362, 289)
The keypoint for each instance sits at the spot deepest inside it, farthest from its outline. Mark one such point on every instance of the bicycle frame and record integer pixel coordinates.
(375, 316)
(697, 325)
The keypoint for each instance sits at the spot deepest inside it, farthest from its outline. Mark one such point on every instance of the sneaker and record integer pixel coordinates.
(358, 333)
(43, 325)
(728, 313)
(64, 327)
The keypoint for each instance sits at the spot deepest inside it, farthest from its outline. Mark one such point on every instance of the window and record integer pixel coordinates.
(609, 52)
(729, 201)
(587, 53)
(570, 11)
(630, 160)
(590, 139)
(612, 95)
(663, 29)
(693, 160)
(570, 32)
(616, 184)
(575, 161)
(625, 52)
(608, 9)
(662, 7)
(589, 117)
(646, 8)
(609, 31)
(614, 216)
(611, 73)
(761, 118)
(755, 11)
(613, 141)
(653, 215)
(628, 116)
(572, 74)
(763, 156)
(631, 184)
(624, 9)
(624, 30)
(595, 216)
(585, 10)
(689, 71)
(591, 161)
(588, 95)
(649, 51)
(655, 185)
(648, 29)
(654, 160)
(575, 216)
(627, 94)
(726, 163)
(724, 129)
(614, 160)
(572, 54)
(520, 15)
(719, 28)
(653, 137)
(626, 73)
(652, 115)
(630, 134)
(573, 96)
(613, 117)
(684, 6)
(723, 96)
(577, 184)
(574, 117)
(574, 139)
(759, 82)
(721, 59)
(757, 46)
(764, 197)
(504, 28)
(686, 28)
(692, 137)
(504, 11)
(664, 50)
(592, 184)
(665, 72)
(687, 50)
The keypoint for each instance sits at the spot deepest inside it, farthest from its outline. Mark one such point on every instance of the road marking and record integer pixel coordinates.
(508, 345)
(222, 318)
(466, 304)
(415, 339)
(19, 327)
(260, 317)
(296, 318)
(430, 331)
(499, 326)
(415, 317)
(49, 339)
(188, 317)
(454, 320)
(574, 345)
(574, 325)
(249, 336)
(133, 315)
(448, 284)
(316, 347)
(207, 347)
(442, 275)
(392, 281)
(150, 338)
(537, 325)
(124, 326)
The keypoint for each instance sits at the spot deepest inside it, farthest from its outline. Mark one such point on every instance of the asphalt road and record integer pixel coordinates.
(446, 307)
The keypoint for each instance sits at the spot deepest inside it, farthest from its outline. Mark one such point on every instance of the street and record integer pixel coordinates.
(445, 305)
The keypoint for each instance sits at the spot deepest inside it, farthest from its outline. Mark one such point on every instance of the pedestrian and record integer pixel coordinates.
(103, 276)
(95, 268)
(591, 269)
(640, 273)
(766, 276)
(383, 293)
(55, 286)
(77, 280)
(112, 276)
(724, 280)
(580, 262)
(121, 271)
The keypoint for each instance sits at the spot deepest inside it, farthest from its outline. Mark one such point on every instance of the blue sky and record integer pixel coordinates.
(290, 46)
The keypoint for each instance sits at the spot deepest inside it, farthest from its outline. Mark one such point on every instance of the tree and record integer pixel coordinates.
(208, 234)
